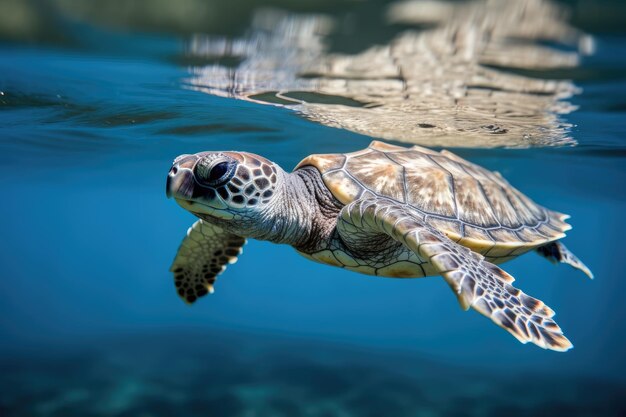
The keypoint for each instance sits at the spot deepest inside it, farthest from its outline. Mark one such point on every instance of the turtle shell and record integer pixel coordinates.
(473, 206)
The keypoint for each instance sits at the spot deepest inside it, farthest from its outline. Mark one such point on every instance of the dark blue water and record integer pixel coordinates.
(92, 112)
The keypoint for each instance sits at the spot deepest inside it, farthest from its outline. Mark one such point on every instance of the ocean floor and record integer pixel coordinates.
(242, 375)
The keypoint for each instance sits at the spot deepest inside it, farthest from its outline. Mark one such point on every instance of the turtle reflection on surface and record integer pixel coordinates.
(459, 83)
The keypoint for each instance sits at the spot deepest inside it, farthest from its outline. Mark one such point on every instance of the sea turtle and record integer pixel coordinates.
(386, 210)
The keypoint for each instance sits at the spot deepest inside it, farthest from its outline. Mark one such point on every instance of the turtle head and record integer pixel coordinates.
(223, 187)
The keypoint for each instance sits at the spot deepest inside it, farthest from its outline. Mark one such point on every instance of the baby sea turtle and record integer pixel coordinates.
(385, 210)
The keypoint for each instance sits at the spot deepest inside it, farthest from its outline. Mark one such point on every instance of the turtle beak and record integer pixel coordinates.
(180, 180)
(168, 187)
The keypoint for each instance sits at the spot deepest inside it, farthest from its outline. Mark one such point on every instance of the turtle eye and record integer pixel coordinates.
(218, 171)
(215, 174)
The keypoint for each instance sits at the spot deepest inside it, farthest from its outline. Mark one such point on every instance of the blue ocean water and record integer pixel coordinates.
(91, 116)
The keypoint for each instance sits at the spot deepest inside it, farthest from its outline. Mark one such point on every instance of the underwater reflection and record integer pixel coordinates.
(463, 74)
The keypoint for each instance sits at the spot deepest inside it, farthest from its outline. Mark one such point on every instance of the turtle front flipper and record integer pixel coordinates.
(202, 256)
(477, 283)
(557, 252)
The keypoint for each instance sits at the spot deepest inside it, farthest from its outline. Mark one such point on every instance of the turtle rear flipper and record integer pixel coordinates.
(202, 256)
(557, 252)
(477, 283)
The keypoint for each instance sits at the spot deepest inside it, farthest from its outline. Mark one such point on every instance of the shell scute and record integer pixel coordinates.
(452, 227)
(473, 206)
(427, 183)
(323, 162)
(548, 231)
(528, 235)
(346, 188)
(432, 190)
(501, 206)
(523, 212)
(476, 238)
(506, 235)
(379, 173)
(453, 167)
(385, 147)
